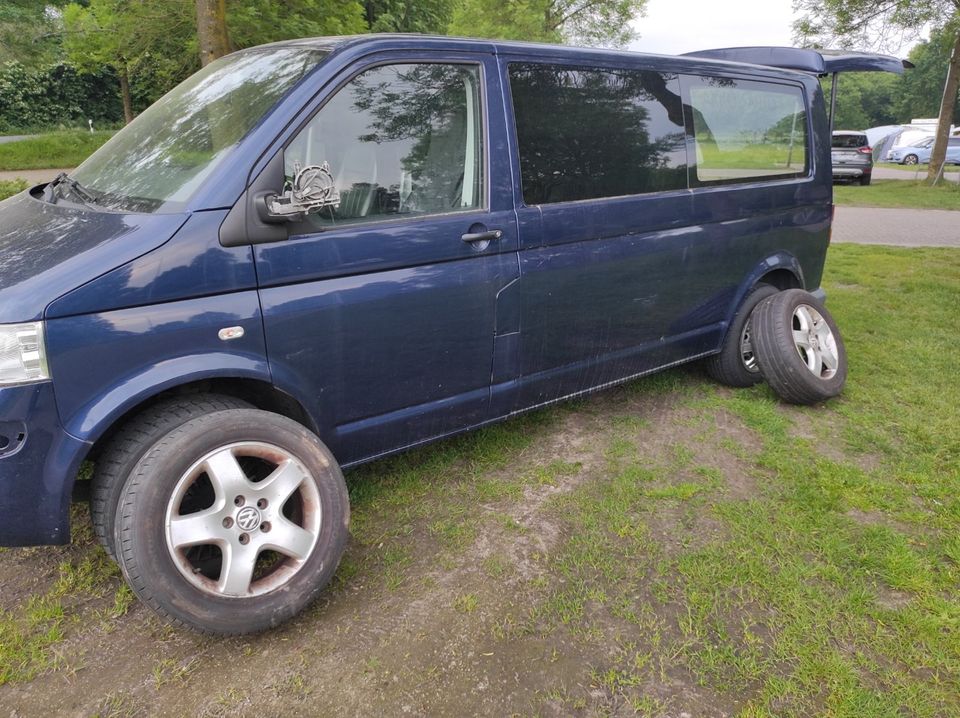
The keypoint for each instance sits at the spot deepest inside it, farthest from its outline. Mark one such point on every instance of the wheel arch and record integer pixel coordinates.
(781, 269)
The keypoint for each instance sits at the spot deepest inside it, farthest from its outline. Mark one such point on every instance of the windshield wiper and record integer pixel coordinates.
(62, 181)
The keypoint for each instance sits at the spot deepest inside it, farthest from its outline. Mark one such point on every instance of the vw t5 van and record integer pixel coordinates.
(316, 253)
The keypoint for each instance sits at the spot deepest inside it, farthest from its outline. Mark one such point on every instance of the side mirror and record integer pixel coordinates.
(312, 189)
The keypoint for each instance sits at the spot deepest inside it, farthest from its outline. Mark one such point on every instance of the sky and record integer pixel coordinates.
(672, 27)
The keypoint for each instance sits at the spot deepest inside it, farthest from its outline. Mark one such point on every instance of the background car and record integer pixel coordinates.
(852, 156)
(920, 152)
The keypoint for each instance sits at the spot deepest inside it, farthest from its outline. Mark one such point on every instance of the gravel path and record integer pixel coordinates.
(901, 227)
(33, 176)
(13, 138)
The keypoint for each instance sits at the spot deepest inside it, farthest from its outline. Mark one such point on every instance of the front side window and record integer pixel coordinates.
(745, 130)
(584, 133)
(398, 140)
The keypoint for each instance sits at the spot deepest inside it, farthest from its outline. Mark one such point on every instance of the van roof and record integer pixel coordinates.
(400, 41)
(795, 59)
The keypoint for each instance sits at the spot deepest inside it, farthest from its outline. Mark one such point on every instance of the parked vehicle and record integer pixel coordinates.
(920, 153)
(852, 156)
(316, 253)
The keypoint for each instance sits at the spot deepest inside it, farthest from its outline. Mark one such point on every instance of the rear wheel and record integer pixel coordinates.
(799, 348)
(233, 522)
(864, 180)
(131, 442)
(911, 160)
(736, 364)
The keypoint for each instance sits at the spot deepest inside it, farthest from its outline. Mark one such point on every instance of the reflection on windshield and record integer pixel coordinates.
(164, 155)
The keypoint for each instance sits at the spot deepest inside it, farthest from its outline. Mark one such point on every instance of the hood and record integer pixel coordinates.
(46, 249)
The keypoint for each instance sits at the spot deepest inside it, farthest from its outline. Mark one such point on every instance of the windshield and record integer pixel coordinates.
(157, 161)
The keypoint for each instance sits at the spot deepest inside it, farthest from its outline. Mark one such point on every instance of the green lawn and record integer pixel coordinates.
(666, 547)
(9, 188)
(899, 193)
(53, 150)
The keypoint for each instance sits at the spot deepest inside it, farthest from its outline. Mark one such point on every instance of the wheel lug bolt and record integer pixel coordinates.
(244, 539)
(239, 501)
(227, 522)
(262, 504)
(265, 526)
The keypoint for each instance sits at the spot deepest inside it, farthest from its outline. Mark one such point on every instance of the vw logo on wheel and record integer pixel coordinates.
(248, 519)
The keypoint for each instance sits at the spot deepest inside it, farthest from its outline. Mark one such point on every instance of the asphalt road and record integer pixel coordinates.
(901, 227)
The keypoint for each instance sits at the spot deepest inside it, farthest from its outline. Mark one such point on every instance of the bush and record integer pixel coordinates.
(56, 96)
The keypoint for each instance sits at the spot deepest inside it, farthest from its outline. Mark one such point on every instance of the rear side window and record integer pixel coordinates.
(584, 133)
(745, 130)
(398, 140)
(849, 142)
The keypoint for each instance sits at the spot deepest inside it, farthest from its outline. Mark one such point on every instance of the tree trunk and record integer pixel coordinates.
(939, 153)
(125, 94)
(212, 30)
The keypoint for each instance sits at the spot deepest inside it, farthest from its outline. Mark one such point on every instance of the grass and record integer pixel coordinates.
(52, 150)
(899, 193)
(8, 188)
(693, 544)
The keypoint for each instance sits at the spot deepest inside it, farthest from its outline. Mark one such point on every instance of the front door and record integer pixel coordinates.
(381, 309)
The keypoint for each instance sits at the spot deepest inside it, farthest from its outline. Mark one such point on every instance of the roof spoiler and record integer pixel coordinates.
(818, 62)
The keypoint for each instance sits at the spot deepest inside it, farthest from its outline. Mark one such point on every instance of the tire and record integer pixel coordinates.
(124, 450)
(736, 363)
(911, 160)
(269, 512)
(865, 180)
(799, 348)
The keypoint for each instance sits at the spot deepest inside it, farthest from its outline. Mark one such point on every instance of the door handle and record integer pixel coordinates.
(487, 236)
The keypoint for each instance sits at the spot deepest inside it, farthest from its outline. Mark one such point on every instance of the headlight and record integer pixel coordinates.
(23, 358)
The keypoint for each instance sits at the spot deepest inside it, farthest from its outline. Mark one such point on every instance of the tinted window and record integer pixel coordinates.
(745, 130)
(849, 142)
(398, 140)
(585, 133)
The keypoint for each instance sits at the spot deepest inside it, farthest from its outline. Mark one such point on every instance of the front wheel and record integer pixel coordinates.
(911, 160)
(799, 348)
(233, 522)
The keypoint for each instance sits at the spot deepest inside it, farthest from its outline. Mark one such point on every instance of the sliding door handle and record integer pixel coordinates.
(487, 236)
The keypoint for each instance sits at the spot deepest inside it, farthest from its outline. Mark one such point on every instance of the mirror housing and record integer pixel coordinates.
(312, 189)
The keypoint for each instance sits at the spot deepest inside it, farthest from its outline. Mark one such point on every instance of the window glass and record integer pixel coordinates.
(160, 159)
(398, 140)
(747, 130)
(586, 133)
(849, 142)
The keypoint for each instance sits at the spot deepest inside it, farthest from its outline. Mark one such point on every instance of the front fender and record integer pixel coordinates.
(105, 364)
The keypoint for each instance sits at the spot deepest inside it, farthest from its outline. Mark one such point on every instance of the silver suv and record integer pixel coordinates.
(852, 156)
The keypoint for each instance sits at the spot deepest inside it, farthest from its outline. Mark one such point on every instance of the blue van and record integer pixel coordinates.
(316, 253)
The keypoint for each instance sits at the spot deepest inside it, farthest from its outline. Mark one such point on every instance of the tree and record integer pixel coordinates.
(212, 30)
(254, 22)
(124, 35)
(920, 89)
(29, 32)
(873, 23)
(587, 22)
(427, 16)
